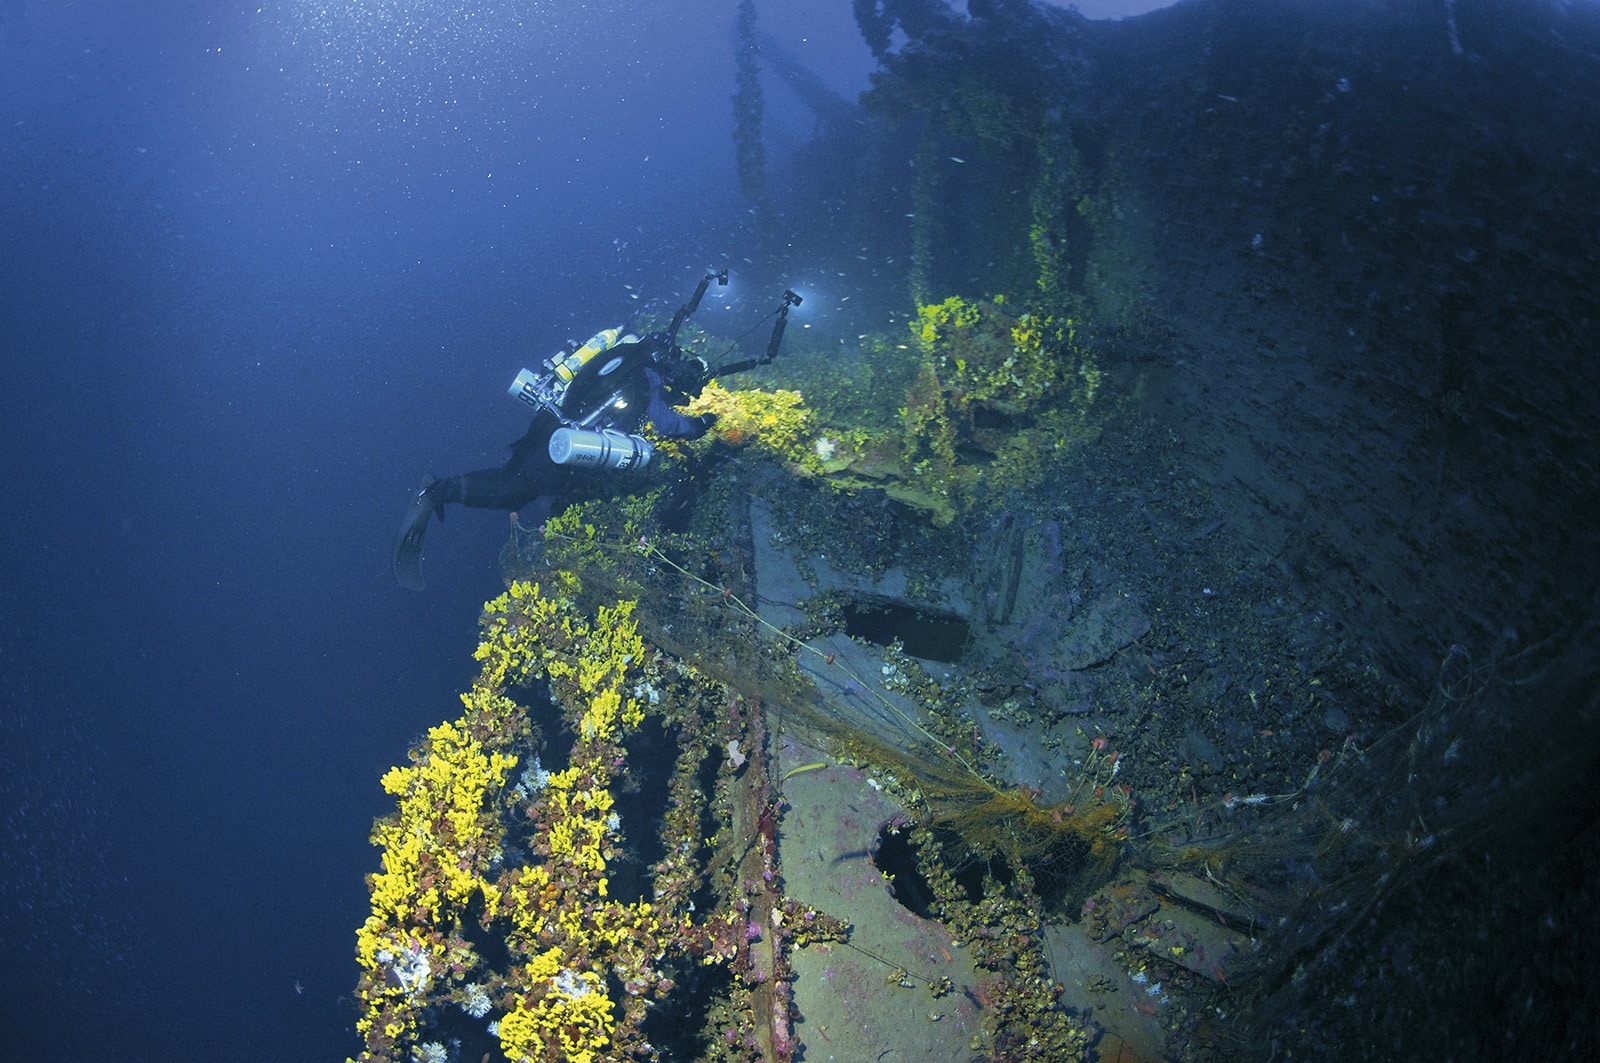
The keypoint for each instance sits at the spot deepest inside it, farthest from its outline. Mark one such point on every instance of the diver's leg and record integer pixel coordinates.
(508, 488)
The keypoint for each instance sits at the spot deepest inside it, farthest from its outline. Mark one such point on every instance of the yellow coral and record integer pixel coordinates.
(577, 820)
(577, 538)
(554, 914)
(776, 421)
(935, 320)
(437, 848)
(984, 354)
(445, 816)
(1014, 367)
(570, 1020)
(551, 916)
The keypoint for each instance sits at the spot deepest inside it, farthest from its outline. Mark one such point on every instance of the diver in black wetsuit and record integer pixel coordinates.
(589, 408)
(590, 403)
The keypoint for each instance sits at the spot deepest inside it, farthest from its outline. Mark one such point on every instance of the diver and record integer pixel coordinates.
(591, 403)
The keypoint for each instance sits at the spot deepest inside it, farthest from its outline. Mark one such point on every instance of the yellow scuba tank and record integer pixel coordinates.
(567, 366)
(548, 390)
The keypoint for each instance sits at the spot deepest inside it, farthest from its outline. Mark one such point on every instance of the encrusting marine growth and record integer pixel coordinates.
(449, 882)
(496, 913)
(992, 398)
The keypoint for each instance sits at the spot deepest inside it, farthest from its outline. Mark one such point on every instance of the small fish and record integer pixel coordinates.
(957, 158)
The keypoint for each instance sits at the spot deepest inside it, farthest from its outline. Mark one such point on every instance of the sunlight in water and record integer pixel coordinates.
(417, 59)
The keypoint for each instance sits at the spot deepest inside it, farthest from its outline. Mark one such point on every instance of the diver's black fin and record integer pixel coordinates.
(408, 548)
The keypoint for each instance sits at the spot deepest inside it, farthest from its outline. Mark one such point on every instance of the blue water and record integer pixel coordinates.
(261, 268)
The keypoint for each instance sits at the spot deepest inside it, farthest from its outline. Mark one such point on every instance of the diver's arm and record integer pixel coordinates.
(668, 422)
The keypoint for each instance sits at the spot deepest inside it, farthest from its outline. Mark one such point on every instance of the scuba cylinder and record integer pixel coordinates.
(567, 366)
(588, 389)
(604, 448)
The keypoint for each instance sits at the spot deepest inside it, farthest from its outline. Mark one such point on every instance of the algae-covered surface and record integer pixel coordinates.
(1119, 637)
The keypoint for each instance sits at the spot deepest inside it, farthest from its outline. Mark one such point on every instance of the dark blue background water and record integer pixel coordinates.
(260, 269)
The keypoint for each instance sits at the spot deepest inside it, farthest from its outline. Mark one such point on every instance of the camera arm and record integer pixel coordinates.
(789, 299)
(718, 275)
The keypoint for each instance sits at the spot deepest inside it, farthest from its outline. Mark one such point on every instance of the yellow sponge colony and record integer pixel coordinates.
(443, 847)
